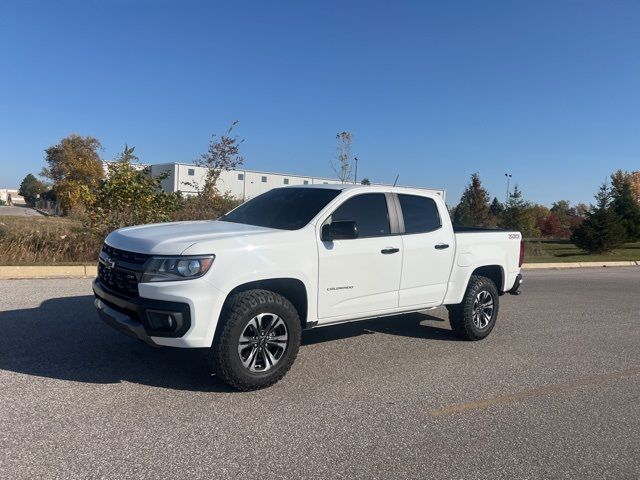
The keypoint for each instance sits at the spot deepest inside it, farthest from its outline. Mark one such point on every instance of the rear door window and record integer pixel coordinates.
(420, 214)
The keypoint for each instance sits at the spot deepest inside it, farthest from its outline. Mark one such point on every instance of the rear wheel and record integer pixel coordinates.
(257, 341)
(475, 317)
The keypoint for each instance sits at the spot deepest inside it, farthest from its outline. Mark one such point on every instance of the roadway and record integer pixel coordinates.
(554, 392)
(18, 211)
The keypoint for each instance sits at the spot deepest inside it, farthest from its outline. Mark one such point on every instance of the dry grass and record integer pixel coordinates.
(31, 240)
(46, 241)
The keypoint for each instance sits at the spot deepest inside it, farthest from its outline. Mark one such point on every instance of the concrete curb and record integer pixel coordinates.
(90, 271)
(532, 266)
(50, 271)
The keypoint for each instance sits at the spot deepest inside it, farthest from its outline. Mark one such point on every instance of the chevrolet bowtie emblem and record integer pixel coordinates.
(109, 263)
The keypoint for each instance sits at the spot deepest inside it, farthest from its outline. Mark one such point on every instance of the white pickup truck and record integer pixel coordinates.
(299, 257)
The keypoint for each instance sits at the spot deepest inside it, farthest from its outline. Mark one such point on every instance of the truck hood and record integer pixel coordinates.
(174, 238)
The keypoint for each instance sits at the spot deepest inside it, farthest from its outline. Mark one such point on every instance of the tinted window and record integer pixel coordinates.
(241, 176)
(420, 214)
(369, 211)
(191, 171)
(282, 208)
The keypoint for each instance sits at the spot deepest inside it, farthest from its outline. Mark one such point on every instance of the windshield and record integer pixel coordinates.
(282, 208)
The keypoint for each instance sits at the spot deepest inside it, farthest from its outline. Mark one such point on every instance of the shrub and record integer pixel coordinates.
(129, 196)
(205, 207)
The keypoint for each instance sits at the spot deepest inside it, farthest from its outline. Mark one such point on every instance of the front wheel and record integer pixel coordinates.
(257, 341)
(475, 317)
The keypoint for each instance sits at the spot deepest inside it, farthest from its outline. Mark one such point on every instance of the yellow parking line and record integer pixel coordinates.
(533, 392)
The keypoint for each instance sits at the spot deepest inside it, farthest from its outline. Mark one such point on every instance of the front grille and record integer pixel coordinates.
(120, 270)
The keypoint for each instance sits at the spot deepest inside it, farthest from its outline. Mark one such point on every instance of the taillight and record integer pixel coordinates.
(521, 261)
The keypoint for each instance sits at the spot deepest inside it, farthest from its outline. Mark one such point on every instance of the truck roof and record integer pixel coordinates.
(352, 186)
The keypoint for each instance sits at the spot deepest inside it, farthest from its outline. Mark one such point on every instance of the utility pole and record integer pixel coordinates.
(355, 177)
(508, 175)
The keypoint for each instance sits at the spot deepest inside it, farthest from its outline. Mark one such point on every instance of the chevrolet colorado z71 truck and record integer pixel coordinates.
(298, 257)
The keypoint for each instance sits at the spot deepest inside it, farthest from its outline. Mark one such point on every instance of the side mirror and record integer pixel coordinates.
(339, 231)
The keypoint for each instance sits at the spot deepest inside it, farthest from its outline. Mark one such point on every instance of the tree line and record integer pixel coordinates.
(127, 194)
(613, 220)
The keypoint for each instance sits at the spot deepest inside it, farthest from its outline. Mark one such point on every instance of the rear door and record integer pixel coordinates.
(361, 275)
(428, 249)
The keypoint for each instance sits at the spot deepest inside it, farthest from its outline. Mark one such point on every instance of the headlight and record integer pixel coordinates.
(169, 269)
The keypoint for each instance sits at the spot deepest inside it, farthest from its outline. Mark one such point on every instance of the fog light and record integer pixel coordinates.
(164, 321)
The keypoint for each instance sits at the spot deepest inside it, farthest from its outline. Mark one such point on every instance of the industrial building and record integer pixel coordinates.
(242, 184)
(11, 196)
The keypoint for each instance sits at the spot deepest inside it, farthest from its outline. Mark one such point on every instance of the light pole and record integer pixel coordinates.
(355, 177)
(508, 175)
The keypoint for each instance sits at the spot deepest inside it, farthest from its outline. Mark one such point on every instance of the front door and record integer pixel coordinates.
(362, 275)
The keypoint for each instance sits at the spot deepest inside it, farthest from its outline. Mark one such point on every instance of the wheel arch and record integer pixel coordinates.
(493, 272)
(293, 289)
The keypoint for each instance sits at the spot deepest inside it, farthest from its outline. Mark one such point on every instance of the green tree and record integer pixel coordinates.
(30, 188)
(130, 196)
(602, 229)
(496, 207)
(223, 154)
(563, 211)
(76, 170)
(581, 210)
(624, 204)
(473, 209)
(365, 181)
(518, 215)
(535, 215)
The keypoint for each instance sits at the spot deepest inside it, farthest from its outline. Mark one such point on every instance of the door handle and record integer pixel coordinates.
(442, 246)
(387, 251)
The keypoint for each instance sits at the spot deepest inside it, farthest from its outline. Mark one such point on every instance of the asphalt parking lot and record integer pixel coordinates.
(554, 392)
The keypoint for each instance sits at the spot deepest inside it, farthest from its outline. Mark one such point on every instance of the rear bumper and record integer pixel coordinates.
(142, 318)
(515, 290)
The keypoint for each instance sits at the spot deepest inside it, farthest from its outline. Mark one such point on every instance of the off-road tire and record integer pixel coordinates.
(225, 361)
(461, 316)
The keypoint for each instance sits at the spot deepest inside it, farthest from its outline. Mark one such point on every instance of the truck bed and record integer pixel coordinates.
(461, 229)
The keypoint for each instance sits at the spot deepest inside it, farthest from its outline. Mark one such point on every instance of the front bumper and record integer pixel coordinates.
(123, 323)
(142, 318)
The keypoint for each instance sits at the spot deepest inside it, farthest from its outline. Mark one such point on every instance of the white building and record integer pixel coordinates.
(11, 195)
(106, 164)
(242, 184)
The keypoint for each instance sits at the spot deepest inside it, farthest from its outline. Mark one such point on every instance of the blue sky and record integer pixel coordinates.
(431, 90)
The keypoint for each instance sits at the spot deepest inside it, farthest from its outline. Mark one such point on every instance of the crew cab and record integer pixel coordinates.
(298, 257)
